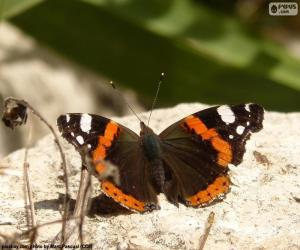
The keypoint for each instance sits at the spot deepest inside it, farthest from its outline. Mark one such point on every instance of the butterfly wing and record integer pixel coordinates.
(106, 142)
(198, 149)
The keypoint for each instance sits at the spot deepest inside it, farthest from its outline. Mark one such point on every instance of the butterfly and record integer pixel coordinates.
(187, 162)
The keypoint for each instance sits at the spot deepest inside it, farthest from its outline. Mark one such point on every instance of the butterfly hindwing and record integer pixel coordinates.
(107, 143)
(198, 149)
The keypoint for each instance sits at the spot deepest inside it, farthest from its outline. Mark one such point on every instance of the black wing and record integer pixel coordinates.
(107, 143)
(198, 149)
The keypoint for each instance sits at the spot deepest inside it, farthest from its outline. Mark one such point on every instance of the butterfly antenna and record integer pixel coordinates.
(122, 97)
(156, 95)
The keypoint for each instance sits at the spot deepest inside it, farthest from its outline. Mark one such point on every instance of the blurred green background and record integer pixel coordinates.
(211, 51)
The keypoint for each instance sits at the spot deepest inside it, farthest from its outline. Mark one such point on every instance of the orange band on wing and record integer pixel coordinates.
(111, 130)
(221, 146)
(104, 142)
(213, 191)
(127, 200)
(210, 133)
(224, 149)
(196, 124)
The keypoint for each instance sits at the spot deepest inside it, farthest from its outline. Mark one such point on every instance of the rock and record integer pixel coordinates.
(260, 212)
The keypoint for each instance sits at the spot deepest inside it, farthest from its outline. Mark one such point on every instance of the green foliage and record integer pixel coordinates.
(207, 56)
(10, 8)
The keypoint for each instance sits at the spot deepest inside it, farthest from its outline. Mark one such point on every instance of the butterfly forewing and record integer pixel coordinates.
(106, 142)
(199, 148)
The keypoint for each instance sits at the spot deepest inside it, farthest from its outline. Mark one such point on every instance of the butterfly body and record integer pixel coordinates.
(188, 161)
(150, 143)
(152, 151)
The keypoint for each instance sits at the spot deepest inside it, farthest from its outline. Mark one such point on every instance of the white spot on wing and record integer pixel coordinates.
(247, 107)
(231, 136)
(80, 140)
(248, 123)
(72, 134)
(67, 118)
(226, 114)
(86, 123)
(240, 129)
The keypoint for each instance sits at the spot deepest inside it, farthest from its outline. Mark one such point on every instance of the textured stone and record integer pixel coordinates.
(260, 212)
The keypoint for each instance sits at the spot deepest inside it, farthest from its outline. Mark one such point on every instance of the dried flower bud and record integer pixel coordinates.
(14, 113)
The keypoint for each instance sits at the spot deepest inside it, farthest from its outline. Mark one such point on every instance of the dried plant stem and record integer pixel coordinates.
(64, 165)
(83, 198)
(32, 238)
(29, 194)
(30, 212)
(208, 225)
(27, 189)
(80, 208)
(30, 232)
(5, 223)
(32, 221)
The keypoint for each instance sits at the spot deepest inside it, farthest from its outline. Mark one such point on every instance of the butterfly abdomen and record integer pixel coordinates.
(158, 174)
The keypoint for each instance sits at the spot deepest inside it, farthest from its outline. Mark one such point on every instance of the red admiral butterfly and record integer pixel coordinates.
(188, 161)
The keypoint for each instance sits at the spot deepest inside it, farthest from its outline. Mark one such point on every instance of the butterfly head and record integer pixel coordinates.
(145, 130)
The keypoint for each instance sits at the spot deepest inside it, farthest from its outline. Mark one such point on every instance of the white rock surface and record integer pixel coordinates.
(260, 212)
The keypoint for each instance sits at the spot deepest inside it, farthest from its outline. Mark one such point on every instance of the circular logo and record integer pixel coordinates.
(273, 9)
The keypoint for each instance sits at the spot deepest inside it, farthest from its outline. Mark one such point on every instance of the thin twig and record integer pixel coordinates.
(208, 225)
(25, 190)
(84, 188)
(32, 230)
(31, 205)
(64, 165)
(25, 183)
(33, 237)
(80, 207)
(84, 204)
(28, 188)
(46, 224)
(5, 223)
